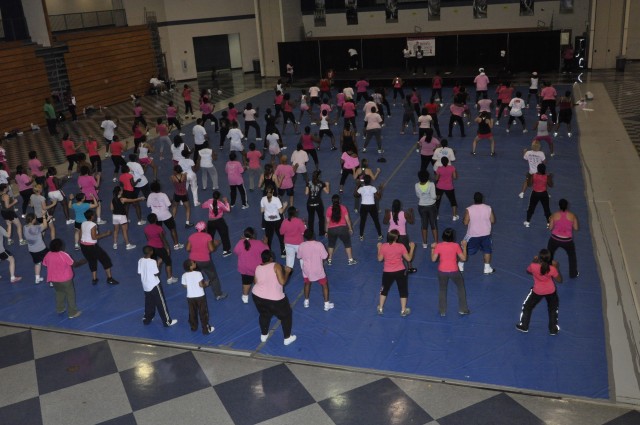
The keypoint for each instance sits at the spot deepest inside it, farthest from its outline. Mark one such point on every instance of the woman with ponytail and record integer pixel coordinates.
(545, 274)
(217, 208)
(249, 251)
(397, 219)
(292, 230)
(339, 227)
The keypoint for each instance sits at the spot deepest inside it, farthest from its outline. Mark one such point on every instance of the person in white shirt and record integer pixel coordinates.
(160, 205)
(515, 112)
(369, 195)
(534, 156)
(157, 84)
(314, 97)
(207, 156)
(153, 294)
(140, 180)
(108, 131)
(299, 159)
(373, 129)
(348, 92)
(250, 121)
(196, 298)
(442, 151)
(200, 137)
(189, 168)
(235, 137)
(91, 251)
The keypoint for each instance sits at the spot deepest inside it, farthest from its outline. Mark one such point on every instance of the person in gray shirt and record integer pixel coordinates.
(426, 193)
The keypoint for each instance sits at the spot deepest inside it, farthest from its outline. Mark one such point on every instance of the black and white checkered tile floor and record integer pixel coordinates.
(54, 378)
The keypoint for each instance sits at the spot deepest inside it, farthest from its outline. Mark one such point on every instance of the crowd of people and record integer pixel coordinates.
(358, 115)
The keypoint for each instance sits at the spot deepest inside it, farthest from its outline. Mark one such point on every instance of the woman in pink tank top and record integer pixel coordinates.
(269, 297)
(562, 225)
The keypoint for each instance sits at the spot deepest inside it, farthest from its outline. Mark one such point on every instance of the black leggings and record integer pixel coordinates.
(253, 125)
(72, 159)
(314, 155)
(551, 106)
(543, 198)
(346, 172)
(213, 119)
(460, 121)
(96, 163)
(26, 197)
(400, 277)
(530, 303)
(372, 210)
(220, 226)
(243, 194)
(269, 308)
(451, 196)
(93, 254)
(273, 228)
(188, 108)
(118, 162)
(312, 210)
(570, 247)
(435, 124)
(398, 92)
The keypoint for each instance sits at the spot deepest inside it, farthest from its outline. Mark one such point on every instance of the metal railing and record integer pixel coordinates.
(77, 21)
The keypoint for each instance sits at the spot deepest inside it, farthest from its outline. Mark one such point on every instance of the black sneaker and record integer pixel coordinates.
(226, 253)
(112, 281)
(522, 328)
(188, 225)
(94, 281)
(555, 331)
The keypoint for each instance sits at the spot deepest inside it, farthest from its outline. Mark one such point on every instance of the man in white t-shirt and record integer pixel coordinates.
(108, 131)
(196, 298)
(153, 294)
(235, 138)
(515, 112)
(199, 138)
(140, 180)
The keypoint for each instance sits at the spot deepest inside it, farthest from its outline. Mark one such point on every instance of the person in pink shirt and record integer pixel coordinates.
(36, 168)
(349, 114)
(397, 219)
(504, 95)
(217, 208)
(479, 219)
(427, 146)
(482, 84)
(70, 149)
(25, 187)
(361, 90)
(562, 224)
(284, 176)
(232, 112)
(457, 111)
(60, 266)
(338, 226)
(270, 299)
(248, 250)
(186, 95)
(234, 170)
(91, 144)
(138, 115)
(200, 245)
(292, 229)
(172, 116)
(436, 87)
(254, 169)
(312, 254)
(545, 274)
(548, 95)
(447, 253)
(392, 253)
(349, 161)
(445, 176)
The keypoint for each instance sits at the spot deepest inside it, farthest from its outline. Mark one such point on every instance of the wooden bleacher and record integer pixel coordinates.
(106, 66)
(24, 86)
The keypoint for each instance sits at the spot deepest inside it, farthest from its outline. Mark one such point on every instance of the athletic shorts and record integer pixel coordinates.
(119, 219)
(482, 243)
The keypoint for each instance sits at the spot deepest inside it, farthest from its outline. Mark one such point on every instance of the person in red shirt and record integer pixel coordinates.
(116, 148)
(70, 149)
(545, 273)
(91, 144)
(448, 253)
(128, 192)
(391, 254)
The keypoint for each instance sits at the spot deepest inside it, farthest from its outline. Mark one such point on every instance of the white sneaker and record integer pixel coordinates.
(141, 222)
(555, 134)
(306, 303)
(488, 269)
(172, 280)
(290, 340)
(508, 130)
(130, 246)
(425, 246)
(178, 246)
(525, 131)
(263, 338)
(173, 322)
(101, 221)
(39, 279)
(526, 224)
(328, 306)
(521, 195)
(115, 246)
(70, 221)
(245, 299)
(114, 179)
(196, 204)
(460, 266)
(456, 218)
(569, 134)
